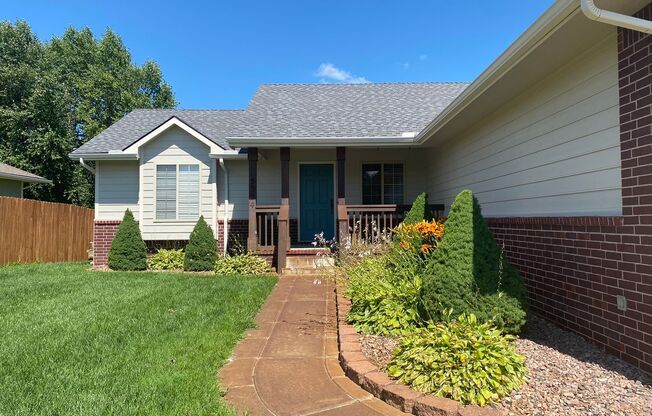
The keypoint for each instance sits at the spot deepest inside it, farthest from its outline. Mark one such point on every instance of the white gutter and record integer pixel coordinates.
(104, 156)
(403, 140)
(27, 179)
(85, 166)
(225, 228)
(616, 19)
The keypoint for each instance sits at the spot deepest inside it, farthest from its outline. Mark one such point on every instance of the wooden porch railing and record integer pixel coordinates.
(267, 226)
(371, 223)
(273, 230)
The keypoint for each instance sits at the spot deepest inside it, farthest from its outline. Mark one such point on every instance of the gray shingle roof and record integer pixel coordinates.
(10, 172)
(298, 110)
(214, 124)
(344, 110)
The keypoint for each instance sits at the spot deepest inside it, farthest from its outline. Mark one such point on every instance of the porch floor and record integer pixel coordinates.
(289, 364)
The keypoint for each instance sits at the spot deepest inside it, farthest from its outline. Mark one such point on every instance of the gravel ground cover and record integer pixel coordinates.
(567, 375)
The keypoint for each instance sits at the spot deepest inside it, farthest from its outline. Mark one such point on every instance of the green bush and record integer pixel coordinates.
(247, 264)
(419, 210)
(468, 274)
(463, 360)
(128, 250)
(166, 260)
(383, 291)
(201, 250)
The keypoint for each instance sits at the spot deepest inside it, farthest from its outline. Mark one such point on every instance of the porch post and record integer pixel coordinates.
(342, 214)
(284, 212)
(252, 238)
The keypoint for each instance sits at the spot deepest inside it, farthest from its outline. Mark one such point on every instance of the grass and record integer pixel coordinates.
(78, 342)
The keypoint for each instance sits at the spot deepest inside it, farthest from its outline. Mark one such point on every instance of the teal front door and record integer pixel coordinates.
(316, 213)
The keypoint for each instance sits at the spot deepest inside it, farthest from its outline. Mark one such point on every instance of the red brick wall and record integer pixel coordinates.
(575, 268)
(103, 233)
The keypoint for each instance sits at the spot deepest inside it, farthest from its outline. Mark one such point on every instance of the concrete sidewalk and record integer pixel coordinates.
(289, 365)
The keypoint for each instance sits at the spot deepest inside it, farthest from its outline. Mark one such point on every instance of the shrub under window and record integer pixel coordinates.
(201, 250)
(128, 250)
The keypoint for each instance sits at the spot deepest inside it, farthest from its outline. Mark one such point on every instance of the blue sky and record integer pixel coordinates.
(216, 53)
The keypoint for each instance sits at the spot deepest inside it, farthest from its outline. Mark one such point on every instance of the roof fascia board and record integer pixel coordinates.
(172, 121)
(539, 31)
(22, 178)
(319, 141)
(104, 156)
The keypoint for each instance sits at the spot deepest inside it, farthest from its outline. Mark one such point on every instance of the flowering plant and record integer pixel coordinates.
(420, 238)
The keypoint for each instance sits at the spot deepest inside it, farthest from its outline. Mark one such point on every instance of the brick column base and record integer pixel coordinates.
(103, 233)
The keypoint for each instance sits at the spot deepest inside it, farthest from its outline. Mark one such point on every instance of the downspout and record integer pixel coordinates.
(616, 19)
(85, 166)
(225, 228)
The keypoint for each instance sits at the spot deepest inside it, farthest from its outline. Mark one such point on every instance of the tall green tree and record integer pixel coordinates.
(57, 95)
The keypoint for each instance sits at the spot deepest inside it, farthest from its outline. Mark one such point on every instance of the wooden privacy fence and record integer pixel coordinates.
(37, 231)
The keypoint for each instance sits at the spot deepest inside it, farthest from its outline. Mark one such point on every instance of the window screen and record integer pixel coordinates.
(188, 192)
(166, 192)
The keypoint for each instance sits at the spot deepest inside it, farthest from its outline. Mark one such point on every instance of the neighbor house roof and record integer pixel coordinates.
(13, 173)
(344, 110)
(214, 124)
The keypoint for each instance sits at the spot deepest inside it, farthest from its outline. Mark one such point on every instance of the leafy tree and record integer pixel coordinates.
(419, 210)
(201, 251)
(128, 250)
(469, 274)
(57, 95)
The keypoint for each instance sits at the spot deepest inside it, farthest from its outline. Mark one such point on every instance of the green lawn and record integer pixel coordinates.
(73, 341)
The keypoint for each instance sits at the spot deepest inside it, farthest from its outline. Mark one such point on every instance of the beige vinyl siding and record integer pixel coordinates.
(174, 147)
(116, 184)
(11, 188)
(553, 150)
(269, 176)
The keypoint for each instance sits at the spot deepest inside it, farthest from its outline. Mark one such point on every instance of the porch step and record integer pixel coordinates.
(304, 272)
(307, 264)
(309, 261)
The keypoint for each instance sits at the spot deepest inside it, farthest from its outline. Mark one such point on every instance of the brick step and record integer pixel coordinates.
(289, 271)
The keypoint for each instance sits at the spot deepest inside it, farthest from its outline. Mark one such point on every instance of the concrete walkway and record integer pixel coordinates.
(289, 365)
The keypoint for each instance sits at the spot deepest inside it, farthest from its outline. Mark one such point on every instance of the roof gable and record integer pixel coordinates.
(173, 121)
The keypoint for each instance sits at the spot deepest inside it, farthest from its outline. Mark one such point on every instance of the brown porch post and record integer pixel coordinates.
(342, 214)
(284, 212)
(252, 238)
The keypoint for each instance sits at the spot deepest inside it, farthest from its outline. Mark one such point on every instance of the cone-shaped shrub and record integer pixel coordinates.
(128, 250)
(419, 210)
(468, 272)
(201, 250)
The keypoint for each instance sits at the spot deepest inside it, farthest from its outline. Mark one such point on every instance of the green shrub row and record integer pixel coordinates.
(129, 252)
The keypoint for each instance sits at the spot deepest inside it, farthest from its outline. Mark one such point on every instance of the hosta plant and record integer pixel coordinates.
(247, 263)
(462, 359)
(383, 291)
(166, 260)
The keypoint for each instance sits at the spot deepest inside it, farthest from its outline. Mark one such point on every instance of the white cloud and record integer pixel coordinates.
(423, 57)
(406, 65)
(330, 73)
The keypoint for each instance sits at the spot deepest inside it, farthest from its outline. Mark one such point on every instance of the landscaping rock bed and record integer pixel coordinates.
(567, 375)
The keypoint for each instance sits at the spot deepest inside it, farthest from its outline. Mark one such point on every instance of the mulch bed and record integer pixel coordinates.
(567, 375)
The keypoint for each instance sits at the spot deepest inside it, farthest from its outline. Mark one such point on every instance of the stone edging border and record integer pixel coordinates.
(362, 372)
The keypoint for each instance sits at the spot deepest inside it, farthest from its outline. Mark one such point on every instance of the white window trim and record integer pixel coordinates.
(382, 179)
(176, 209)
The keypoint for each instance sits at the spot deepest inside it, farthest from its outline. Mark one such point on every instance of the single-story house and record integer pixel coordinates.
(554, 138)
(13, 180)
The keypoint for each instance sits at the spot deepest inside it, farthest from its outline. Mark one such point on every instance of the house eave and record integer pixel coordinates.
(103, 156)
(527, 42)
(275, 142)
(21, 178)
